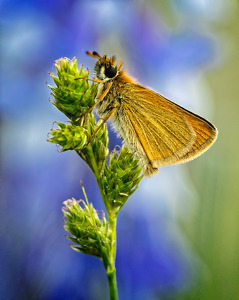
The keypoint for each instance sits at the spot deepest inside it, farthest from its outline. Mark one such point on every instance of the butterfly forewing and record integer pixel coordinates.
(168, 133)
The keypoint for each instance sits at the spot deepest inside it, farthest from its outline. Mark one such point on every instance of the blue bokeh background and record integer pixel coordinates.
(171, 241)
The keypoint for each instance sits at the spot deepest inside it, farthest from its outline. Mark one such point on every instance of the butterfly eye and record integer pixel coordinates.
(110, 72)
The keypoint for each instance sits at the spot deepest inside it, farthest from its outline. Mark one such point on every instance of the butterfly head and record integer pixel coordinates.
(105, 68)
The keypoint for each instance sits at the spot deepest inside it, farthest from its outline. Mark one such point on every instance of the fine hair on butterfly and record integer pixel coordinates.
(158, 131)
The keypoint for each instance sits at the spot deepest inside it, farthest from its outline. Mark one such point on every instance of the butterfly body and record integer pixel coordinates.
(158, 131)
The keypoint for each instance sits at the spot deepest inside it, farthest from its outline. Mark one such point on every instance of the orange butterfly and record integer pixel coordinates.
(157, 130)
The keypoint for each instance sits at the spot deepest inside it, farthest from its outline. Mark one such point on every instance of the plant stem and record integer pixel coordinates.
(112, 285)
(109, 260)
(110, 269)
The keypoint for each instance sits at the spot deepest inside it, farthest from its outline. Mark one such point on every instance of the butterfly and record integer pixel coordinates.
(158, 131)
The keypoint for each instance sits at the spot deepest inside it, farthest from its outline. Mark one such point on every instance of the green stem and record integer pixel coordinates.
(112, 285)
(108, 261)
(110, 268)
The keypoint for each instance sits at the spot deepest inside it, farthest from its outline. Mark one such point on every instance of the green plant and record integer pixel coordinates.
(117, 180)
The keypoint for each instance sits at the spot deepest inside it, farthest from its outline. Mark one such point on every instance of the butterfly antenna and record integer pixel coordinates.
(93, 54)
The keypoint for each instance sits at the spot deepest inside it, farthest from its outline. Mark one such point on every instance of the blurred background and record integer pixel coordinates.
(178, 235)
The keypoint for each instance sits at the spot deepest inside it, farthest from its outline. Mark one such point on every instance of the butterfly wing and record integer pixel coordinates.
(160, 131)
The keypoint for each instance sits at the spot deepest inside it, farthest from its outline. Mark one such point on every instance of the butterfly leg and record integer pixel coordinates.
(104, 121)
(97, 102)
(92, 79)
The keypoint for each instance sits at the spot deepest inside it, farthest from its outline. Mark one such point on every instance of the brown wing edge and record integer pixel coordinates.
(197, 150)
